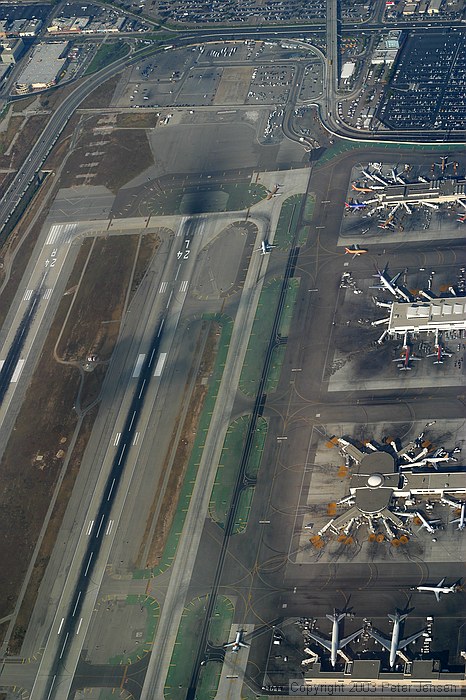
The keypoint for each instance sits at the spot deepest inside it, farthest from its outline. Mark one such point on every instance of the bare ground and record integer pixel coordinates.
(123, 154)
(94, 323)
(51, 533)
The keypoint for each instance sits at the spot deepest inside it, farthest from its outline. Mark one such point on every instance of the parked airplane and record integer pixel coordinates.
(394, 645)
(357, 188)
(387, 282)
(355, 250)
(354, 204)
(438, 589)
(265, 248)
(238, 643)
(462, 218)
(406, 357)
(335, 644)
(440, 353)
(462, 519)
(443, 163)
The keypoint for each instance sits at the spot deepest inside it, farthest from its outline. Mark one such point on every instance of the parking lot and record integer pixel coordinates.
(427, 89)
(270, 84)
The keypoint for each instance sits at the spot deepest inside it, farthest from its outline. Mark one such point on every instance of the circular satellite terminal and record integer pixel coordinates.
(375, 480)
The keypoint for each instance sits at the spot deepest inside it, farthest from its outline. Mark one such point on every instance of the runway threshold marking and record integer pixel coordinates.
(110, 527)
(117, 439)
(89, 529)
(136, 439)
(48, 293)
(28, 294)
(184, 286)
(163, 287)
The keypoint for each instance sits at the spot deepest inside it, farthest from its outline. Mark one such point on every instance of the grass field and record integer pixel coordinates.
(184, 651)
(288, 220)
(227, 472)
(106, 54)
(259, 338)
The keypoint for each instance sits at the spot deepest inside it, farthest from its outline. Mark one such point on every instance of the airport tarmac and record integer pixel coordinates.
(258, 568)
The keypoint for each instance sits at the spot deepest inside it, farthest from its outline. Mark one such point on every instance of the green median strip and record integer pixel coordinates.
(171, 545)
(144, 646)
(227, 472)
(185, 648)
(259, 339)
(287, 221)
(341, 147)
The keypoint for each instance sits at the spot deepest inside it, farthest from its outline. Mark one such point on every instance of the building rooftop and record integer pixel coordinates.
(45, 64)
(437, 314)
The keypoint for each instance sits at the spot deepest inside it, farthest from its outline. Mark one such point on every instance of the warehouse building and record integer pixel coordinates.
(44, 67)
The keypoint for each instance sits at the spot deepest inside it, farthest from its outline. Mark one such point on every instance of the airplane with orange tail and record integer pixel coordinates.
(462, 219)
(357, 188)
(355, 250)
(273, 192)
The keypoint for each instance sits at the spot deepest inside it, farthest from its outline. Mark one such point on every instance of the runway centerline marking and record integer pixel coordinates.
(89, 563)
(76, 604)
(61, 625)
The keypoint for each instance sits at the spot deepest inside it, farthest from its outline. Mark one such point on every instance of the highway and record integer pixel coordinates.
(42, 147)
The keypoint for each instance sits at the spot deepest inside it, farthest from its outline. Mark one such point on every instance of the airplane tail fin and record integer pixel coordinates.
(398, 617)
(336, 615)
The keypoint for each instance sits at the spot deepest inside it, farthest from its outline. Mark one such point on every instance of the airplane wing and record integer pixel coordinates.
(350, 637)
(404, 642)
(394, 279)
(437, 595)
(320, 640)
(386, 643)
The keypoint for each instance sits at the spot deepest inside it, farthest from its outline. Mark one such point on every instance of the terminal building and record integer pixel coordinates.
(44, 67)
(423, 193)
(430, 316)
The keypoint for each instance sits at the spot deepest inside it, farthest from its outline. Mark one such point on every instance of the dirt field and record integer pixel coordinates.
(48, 542)
(102, 96)
(234, 85)
(150, 243)
(183, 451)
(147, 120)
(94, 322)
(115, 147)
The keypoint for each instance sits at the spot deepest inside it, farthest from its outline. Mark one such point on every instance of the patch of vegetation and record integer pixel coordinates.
(106, 54)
